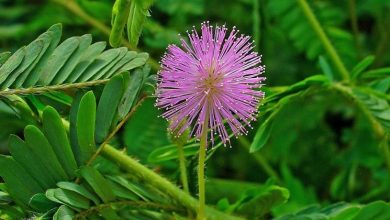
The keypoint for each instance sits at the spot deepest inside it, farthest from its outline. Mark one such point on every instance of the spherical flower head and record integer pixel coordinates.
(216, 77)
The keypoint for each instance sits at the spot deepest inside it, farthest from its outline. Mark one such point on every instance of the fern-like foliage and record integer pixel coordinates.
(377, 107)
(45, 64)
(342, 210)
(40, 173)
(294, 23)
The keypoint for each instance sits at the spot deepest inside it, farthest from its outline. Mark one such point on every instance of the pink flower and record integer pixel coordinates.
(215, 77)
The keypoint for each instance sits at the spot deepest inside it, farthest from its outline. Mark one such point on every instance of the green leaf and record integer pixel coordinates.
(347, 213)
(258, 202)
(326, 68)
(54, 33)
(11, 64)
(80, 190)
(84, 42)
(39, 202)
(378, 210)
(223, 205)
(44, 151)
(120, 13)
(11, 212)
(99, 63)
(57, 137)
(378, 107)
(15, 178)
(141, 193)
(133, 86)
(122, 192)
(50, 195)
(136, 19)
(130, 58)
(145, 128)
(31, 163)
(262, 135)
(377, 73)
(45, 63)
(122, 53)
(109, 214)
(85, 126)
(71, 198)
(293, 24)
(32, 52)
(91, 53)
(58, 59)
(108, 107)
(4, 57)
(316, 80)
(73, 127)
(5, 198)
(98, 183)
(47, 215)
(59, 97)
(361, 66)
(170, 152)
(63, 213)
(138, 61)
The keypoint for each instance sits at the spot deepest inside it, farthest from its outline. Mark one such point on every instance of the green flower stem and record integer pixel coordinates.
(183, 169)
(202, 160)
(143, 173)
(324, 40)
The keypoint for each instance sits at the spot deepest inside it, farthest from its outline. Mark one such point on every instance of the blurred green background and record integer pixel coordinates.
(321, 147)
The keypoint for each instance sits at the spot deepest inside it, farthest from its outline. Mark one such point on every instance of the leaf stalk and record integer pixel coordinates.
(343, 72)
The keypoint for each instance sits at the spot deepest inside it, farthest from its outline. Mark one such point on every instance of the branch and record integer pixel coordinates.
(117, 128)
(43, 89)
(324, 40)
(145, 174)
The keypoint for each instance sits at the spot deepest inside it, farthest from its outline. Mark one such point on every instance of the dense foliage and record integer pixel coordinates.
(80, 136)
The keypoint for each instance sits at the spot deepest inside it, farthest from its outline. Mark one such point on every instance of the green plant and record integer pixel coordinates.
(80, 137)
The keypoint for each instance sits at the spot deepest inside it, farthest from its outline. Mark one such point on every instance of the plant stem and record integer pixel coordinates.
(117, 128)
(343, 72)
(354, 24)
(379, 132)
(145, 174)
(38, 90)
(201, 163)
(383, 24)
(73, 7)
(183, 169)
